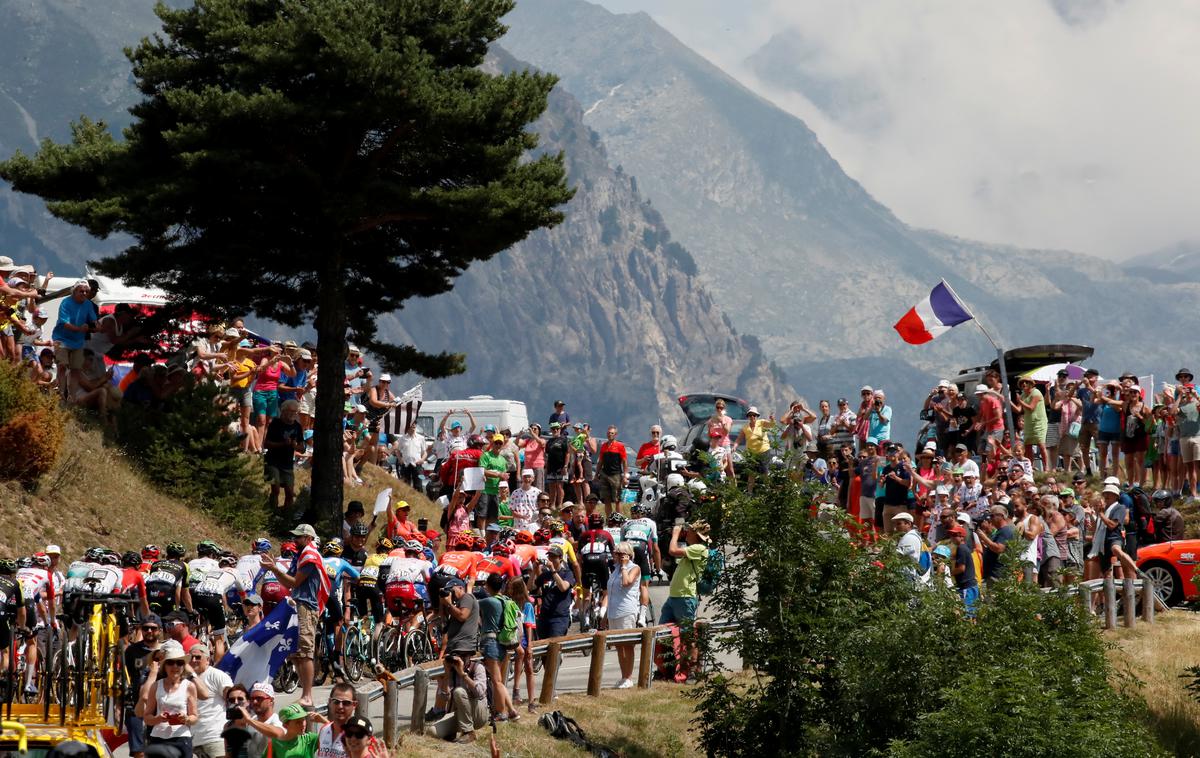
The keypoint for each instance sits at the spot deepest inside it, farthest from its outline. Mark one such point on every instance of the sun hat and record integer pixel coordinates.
(385, 377)
(701, 529)
(1112, 489)
(942, 550)
(752, 411)
(963, 518)
(173, 651)
(903, 516)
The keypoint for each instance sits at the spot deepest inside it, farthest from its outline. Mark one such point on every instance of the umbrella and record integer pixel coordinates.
(1050, 373)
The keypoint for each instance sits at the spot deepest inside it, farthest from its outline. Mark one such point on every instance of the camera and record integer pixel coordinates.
(233, 713)
(444, 593)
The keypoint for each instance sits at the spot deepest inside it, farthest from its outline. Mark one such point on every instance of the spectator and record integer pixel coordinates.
(309, 587)
(236, 733)
(76, 319)
(1069, 408)
(524, 660)
(468, 693)
(534, 448)
(897, 481)
(137, 663)
(296, 386)
(168, 705)
(1108, 437)
(555, 582)
(176, 627)
(646, 453)
(560, 415)
(842, 427)
(93, 387)
(866, 470)
(495, 469)
(909, 545)
(621, 604)
(880, 418)
(558, 449)
(355, 514)
(964, 570)
(206, 734)
(680, 608)
(1033, 407)
(283, 439)
(261, 719)
(754, 436)
(614, 468)
(1135, 440)
(1168, 521)
(379, 403)
(462, 622)
(240, 381)
(1109, 540)
(297, 741)
(360, 740)
(523, 502)
(495, 656)
(995, 532)
(343, 702)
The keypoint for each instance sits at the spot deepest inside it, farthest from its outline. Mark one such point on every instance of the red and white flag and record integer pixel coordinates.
(933, 316)
(309, 556)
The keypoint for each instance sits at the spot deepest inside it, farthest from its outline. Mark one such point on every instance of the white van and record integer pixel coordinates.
(502, 414)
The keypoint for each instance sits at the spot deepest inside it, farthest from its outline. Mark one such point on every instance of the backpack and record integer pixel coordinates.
(510, 622)
(1143, 511)
(712, 572)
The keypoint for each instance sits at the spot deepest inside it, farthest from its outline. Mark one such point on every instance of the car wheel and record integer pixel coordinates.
(1166, 582)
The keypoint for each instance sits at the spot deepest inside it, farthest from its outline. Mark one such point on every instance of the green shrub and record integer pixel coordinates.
(852, 659)
(185, 448)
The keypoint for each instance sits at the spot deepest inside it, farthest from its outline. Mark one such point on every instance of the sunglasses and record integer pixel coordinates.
(150, 628)
(258, 698)
(195, 657)
(355, 735)
(173, 663)
(238, 701)
(342, 703)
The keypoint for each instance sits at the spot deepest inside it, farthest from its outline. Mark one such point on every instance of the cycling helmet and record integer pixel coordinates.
(479, 544)
(524, 538)
(360, 530)
(227, 561)
(110, 558)
(501, 549)
(697, 486)
(475, 441)
(616, 519)
(25, 562)
(1163, 498)
(208, 548)
(41, 560)
(463, 542)
(384, 545)
(151, 553)
(7, 566)
(287, 549)
(507, 533)
(638, 509)
(595, 521)
(669, 442)
(130, 559)
(93, 554)
(176, 550)
(414, 546)
(542, 536)
(316, 542)
(261, 545)
(556, 526)
(333, 547)
(674, 480)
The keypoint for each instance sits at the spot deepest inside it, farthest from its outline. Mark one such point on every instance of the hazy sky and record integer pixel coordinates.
(1048, 123)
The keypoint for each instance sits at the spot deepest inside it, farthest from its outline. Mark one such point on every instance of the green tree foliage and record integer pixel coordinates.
(312, 159)
(850, 658)
(185, 447)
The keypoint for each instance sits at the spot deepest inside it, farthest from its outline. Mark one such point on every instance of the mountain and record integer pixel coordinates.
(1169, 265)
(604, 311)
(798, 252)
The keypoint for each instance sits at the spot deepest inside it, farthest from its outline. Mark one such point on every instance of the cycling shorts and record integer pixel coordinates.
(595, 567)
(6, 636)
(368, 597)
(641, 556)
(161, 597)
(212, 610)
(403, 598)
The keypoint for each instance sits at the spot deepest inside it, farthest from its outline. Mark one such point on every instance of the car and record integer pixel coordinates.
(698, 408)
(1172, 567)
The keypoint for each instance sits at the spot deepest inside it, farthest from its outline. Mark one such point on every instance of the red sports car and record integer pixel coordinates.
(1171, 566)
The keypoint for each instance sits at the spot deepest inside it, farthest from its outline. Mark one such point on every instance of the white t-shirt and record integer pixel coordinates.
(329, 746)
(910, 547)
(212, 710)
(257, 745)
(411, 449)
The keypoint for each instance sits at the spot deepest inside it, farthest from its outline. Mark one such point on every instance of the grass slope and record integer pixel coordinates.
(1148, 661)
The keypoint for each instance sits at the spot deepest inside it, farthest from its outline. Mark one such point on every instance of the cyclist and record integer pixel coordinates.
(642, 533)
(337, 608)
(406, 580)
(249, 568)
(458, 562)
(673, 510)
(167, 583)
(498, 562)
(615, 522)
(133, 582)
(12, 608)
(272, 590)
(525, 553)
(596, 550)
(368, 593)
(211, 597)
(150, 554)
(205, 561)
(79, 571)
(33, 574)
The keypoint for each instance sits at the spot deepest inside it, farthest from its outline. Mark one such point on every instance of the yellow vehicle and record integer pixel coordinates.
(25, 735)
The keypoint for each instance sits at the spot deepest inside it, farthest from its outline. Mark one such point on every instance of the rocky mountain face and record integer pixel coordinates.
(798, 252)
(605, 311)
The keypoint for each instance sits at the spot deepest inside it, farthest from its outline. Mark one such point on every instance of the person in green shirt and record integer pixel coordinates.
(297, 741)
(495, 468)
(680, 608)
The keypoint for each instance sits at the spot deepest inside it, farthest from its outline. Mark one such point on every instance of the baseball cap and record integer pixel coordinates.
(385, 377)
(304, 530)
(872, 442)
(961, 446)
(360, 408)
(527, 472)
(555, 550)
(358, 722)
(958, 531)
(902, 516)
(253, 599)
(865, 388)
(559, 402)
(456, 425)
(963, 518)
(497, 438)
(245, 343)
(152, 618)
(263, 688)
(293, 712)
(53, 550)
(1062, 372)
(554, 425)
(1066, 492)
(943, 384)
(1079, 477)
(980, 389)
(199, 649)
(942, 490)
(931, 446)
(1004, 500)
(353, 350)
(1093, 372)
(453, 582)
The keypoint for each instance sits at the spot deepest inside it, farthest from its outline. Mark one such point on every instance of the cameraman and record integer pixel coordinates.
(258, 721)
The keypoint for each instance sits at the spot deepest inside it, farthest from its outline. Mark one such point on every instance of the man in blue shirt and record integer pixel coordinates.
(76, 317)
(880, 419)
(1089, 419)
(309, 585)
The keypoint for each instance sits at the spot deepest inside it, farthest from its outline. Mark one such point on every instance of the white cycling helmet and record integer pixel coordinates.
(674, 480)
(697, 486)
(669, 441)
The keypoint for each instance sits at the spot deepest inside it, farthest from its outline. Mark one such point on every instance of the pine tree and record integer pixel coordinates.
(309, 160)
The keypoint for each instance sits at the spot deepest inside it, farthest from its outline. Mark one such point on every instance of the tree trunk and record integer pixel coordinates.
(326, 504)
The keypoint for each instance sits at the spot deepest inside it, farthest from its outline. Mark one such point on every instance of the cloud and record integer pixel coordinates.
(1048, 123)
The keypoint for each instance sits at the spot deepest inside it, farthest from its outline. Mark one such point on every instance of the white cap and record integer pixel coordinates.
(865, 388)
(503, 483)
(902, 516)
(943, 384)
(752, 410)
(879, 393)
(941, 490)
(1003, 500)
(360, 408)
(1112, 488)
(964, 518)
(1113, 481)
(385, 377)
(528, 472)
(931, 446)
(53, 550)
(980, 389)
(263, 688)
(1027, 479)
(354, 349)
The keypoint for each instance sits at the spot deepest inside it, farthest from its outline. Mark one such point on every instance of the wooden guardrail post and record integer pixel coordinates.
(596, 671)
(1130, 598)
(646, 663)
(550, 661)
(1149, 598)
(419, 700)
(1110, 603)
(391, 715)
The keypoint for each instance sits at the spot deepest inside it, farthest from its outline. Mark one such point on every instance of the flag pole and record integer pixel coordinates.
(999, 354)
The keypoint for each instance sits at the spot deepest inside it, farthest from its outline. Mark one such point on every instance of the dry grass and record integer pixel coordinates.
(1148, 662)
(634, 723)
(375, 480)
(93, 496)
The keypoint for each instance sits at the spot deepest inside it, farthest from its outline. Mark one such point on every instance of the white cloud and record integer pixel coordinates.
(1050, 123)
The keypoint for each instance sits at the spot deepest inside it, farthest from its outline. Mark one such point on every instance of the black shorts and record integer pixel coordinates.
(641, 556)
(367, 598)
(1131, 543)
(594, 567)
(488, 507)
(6, 636)
(212, 609)
(161, 598)
(333, 612)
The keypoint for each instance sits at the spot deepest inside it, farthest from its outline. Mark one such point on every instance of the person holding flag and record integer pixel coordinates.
(309, 585)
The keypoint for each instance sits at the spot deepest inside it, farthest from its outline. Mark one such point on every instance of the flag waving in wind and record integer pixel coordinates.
(932, 316)
(310, 557)
(257, 656)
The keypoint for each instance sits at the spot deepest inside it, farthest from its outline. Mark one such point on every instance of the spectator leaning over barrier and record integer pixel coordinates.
(343, 701)
(621, 605)
(680, 608)
(206, 734)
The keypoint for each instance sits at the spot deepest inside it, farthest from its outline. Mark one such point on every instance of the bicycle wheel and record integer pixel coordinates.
(353, 654)
(391, 648)
(433, 632)
(416, 648)
(287, 679)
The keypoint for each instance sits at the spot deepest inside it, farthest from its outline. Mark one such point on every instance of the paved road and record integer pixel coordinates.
(572, 677)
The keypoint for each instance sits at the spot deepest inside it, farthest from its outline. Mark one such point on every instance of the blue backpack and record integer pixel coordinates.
(712, 572)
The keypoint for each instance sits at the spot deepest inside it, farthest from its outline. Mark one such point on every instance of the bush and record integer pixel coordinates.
(852, 659)
(185, 448)
(31, 427)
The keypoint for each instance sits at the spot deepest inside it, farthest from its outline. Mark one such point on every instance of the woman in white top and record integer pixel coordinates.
(168, 705)
(621, 606)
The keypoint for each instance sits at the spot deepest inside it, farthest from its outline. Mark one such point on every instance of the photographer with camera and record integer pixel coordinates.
(249, 729)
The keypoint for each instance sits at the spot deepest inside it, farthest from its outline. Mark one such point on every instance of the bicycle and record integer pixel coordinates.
(401, 647)
(589, 614)
(359, 645)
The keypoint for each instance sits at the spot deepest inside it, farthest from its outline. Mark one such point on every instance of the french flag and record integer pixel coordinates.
(932, 316)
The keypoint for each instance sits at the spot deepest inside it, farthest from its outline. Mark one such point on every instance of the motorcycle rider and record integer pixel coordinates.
(673, 510)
